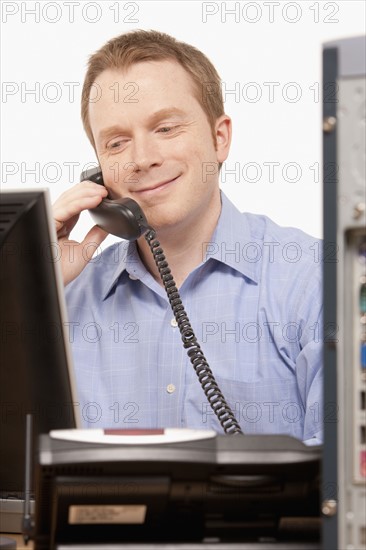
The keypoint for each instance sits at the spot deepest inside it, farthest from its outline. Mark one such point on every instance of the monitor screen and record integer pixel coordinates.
(35, 366)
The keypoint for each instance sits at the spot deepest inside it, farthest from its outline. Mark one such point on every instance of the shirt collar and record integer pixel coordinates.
(232, 244)
(129, 261)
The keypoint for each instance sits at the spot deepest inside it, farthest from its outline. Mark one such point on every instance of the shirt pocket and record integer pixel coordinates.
(267, 406)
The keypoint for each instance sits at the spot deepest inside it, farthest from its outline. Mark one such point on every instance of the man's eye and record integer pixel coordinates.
(166, 129)
(114, 144)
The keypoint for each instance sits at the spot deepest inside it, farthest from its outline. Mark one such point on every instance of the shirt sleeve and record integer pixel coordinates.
(309, 362)
(314, 441)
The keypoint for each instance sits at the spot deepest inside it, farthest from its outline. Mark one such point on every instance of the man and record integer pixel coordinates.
(252, 289)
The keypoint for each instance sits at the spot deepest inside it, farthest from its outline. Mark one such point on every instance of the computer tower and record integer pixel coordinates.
(344, 257)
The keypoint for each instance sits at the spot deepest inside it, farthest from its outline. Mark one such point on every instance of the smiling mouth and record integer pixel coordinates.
(157, 187)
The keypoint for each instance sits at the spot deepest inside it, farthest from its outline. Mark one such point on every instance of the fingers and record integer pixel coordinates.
(66, 211)
(69, 205)
(75, 255)
(94, 238)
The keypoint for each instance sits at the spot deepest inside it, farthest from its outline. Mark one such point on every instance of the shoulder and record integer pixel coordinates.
(286, 248)
(265, 239)
(98, 275)
(291, 263)
(290, 239)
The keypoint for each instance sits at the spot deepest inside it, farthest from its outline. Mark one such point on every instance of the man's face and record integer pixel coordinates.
(155, 144)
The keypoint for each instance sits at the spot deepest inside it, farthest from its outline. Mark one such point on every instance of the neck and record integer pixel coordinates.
(183, 244)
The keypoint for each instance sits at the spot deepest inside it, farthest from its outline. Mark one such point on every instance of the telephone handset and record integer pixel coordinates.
(125, 219)
(121, 217)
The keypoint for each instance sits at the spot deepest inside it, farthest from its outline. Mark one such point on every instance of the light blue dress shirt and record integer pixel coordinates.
(255, 305)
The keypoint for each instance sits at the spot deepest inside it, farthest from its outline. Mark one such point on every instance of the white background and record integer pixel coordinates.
(268, 55)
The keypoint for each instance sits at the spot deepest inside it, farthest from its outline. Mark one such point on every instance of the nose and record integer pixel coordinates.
(145, 153)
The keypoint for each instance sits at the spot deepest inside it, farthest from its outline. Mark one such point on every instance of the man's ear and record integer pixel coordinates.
(223, 130)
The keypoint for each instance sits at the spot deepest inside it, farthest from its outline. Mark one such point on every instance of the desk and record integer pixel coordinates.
(193, 546)
(19, 540)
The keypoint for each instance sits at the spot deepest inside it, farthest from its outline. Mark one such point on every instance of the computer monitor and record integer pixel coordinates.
(35, 367)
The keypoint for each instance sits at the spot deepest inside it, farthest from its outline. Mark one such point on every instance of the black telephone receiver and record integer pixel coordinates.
(125, 219)
(121, 217)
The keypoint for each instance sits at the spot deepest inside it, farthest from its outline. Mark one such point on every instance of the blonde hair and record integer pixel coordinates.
(140, 45)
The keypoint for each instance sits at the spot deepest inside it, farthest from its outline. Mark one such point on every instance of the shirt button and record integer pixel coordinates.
(170, 388)
(174, 323)
(132, 277)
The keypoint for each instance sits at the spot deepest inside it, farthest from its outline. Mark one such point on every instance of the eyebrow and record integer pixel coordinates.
(166, 112)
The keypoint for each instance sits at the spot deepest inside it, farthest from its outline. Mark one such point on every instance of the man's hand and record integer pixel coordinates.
(66, 212)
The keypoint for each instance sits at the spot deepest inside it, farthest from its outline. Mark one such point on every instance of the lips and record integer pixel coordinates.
(157, 186)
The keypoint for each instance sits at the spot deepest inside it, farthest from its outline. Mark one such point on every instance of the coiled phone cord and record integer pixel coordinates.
(205, 375)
